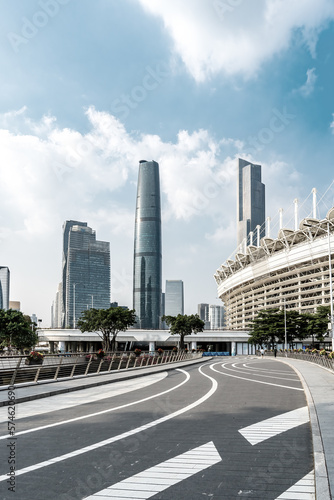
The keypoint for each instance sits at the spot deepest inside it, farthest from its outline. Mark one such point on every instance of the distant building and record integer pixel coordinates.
(115, 304)
(216, 317)
(15, 304)
(56, 315)
(86, 274)
(147, 268)
(203, 313)
(4, 287)
(174, 298)
(250, 203)
(163, 309)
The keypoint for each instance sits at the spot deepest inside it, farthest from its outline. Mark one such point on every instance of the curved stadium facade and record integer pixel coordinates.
(290, 271)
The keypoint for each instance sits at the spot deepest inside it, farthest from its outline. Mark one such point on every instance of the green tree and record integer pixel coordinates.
(16, 330)
(183, 325)
(269, 327)
(107, 323)
(317, 325)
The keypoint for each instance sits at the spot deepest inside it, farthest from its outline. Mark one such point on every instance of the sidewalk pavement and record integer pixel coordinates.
(44, 389)
(318, 384)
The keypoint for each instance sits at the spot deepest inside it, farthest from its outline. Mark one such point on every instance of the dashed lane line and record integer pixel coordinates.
(256, 433)
(124, 435)
(148, 483)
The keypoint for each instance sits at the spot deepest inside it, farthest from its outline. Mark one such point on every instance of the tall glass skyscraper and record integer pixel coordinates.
(147, 268)
(174, 298)
(86, 272)
(4, 287)
(250, 202)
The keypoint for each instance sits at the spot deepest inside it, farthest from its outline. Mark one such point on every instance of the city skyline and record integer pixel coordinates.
(75, 121)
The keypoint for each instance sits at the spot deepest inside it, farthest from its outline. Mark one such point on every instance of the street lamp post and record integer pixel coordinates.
(285, 332)
(330, 283)
(74, 325)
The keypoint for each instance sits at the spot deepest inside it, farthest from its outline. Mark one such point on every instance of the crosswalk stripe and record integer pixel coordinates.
(266, 429)
(302, 490)
(148, 483)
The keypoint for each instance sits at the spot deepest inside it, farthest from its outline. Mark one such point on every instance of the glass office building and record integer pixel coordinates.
(174, 298)
(4, 287)
(86, 272)
(147, 268)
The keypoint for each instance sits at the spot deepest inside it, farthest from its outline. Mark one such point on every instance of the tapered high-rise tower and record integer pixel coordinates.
(250, 202)
(147, 268)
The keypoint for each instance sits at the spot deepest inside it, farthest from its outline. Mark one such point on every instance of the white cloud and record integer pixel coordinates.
(50, 174)
(63, 173)
(308, 87)
(238, 36)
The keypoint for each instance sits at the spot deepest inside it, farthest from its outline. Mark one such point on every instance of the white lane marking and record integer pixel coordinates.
(242, 370)
(268, 370)
(252, 380)
(75, 419)
(148, 483)
(256, 433)
(302, 490)
(124, 435)
(81, 397)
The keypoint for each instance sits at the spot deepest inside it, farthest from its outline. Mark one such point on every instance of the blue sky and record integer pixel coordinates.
(89, 88)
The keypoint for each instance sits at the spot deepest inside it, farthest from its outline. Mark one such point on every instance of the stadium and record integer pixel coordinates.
(290, 271)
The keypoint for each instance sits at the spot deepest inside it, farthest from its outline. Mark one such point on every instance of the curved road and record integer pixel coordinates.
(231, 428)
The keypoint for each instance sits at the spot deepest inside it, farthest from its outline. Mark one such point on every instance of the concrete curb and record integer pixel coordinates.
(320, 469)
(121, 375)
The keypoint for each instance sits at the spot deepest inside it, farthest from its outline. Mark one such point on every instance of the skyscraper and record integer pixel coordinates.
(86, 272)
(250, 202)
(4, 287)
(174, 299)
(147, 268)
(67, 226)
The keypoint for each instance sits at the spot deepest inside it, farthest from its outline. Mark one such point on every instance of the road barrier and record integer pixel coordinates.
(16, 370)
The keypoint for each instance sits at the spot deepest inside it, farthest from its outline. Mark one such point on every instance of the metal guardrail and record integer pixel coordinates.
(321, 360)
(14, 370)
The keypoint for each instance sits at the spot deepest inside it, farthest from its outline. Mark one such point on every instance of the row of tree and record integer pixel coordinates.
(270, 325)
(17, 330)
(107, 323)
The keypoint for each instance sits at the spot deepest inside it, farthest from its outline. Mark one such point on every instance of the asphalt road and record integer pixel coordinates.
(197, 433)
